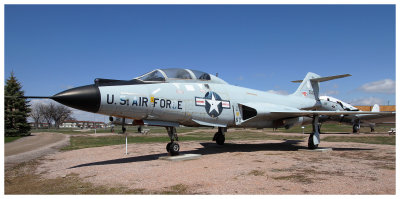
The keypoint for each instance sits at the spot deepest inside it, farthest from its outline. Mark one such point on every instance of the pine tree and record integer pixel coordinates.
(16, 110)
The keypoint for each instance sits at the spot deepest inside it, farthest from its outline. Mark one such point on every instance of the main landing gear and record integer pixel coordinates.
(219, 137)
(313, 140)
(356, 127)
(172, 147)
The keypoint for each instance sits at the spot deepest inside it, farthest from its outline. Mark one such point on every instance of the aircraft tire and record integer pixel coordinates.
(174, 149)
(220, 139)
(139, 129)
(215, 136)
(311, 144)
(168, 146)
(356, 129)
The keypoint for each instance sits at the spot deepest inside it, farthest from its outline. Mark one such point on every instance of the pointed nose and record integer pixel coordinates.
(86, 98)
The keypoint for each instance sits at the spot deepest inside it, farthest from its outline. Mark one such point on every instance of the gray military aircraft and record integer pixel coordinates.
(173, 97)
(358, 120)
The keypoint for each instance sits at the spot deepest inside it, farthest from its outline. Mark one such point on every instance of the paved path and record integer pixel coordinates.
(32, 147)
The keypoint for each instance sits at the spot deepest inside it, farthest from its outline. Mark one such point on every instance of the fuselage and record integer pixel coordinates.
(190, 98)
(186, 102)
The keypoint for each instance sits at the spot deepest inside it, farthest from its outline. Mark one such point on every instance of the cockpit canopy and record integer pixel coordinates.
(177, 75)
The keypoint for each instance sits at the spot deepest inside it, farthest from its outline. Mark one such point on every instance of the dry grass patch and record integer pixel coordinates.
(296, 177)
(22, 179)
(384, 165)
(175, 190)
(256, 173)
(364, 155)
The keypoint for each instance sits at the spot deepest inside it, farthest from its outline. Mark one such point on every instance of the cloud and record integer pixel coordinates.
(280, 92)
(87, 116)
(370, 101)
(386, 86)
(40, 101)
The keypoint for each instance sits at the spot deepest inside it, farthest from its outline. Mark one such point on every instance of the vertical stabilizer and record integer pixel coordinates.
(308, 88)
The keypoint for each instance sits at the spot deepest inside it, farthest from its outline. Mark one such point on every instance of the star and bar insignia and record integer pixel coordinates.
(213, 103)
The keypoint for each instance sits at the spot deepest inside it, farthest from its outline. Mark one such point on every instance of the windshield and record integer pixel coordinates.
(201, 75)
(153, 76)
(177, 73)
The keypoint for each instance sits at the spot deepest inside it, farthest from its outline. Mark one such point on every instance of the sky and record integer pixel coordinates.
(51, 48)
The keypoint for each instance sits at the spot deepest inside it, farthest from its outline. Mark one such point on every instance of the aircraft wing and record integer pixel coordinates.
(300, 113)
(274, 112)
(374, 115)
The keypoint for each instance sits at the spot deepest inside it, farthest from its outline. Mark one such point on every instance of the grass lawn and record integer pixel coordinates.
(159, 134)
(390, 140)
(10, 139)
(79, 142)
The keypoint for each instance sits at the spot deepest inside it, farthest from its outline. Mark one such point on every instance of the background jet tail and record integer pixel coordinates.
(375, 108)
(309, 87)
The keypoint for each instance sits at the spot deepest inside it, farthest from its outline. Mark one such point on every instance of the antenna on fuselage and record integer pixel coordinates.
(216, 74)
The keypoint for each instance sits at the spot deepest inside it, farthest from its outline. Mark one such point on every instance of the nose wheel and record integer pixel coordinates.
(172, 147)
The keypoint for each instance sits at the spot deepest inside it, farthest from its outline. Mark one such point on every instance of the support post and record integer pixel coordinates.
(126, 136)
(94, 122)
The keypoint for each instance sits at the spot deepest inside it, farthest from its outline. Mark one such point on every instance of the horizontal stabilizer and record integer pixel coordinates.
(323, 79)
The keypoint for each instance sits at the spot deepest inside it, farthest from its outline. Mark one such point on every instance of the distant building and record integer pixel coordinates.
(82, 124)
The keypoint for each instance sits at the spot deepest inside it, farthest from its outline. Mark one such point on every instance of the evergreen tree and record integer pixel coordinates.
(16, 110)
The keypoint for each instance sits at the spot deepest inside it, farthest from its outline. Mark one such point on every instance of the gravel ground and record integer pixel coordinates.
(238, 167)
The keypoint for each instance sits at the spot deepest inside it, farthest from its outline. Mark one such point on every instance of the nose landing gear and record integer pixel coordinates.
(172, 147)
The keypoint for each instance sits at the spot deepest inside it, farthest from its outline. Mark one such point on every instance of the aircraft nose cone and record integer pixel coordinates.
(86, 98)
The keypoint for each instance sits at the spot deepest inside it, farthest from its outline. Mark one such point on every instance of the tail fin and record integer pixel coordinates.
(375, 108)
(309, 87)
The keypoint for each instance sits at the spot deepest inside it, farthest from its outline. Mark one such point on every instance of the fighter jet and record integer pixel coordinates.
(174, 97)
(333, 104)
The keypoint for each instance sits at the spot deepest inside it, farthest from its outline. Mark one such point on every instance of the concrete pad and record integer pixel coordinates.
(317, 150)
(180, 157)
